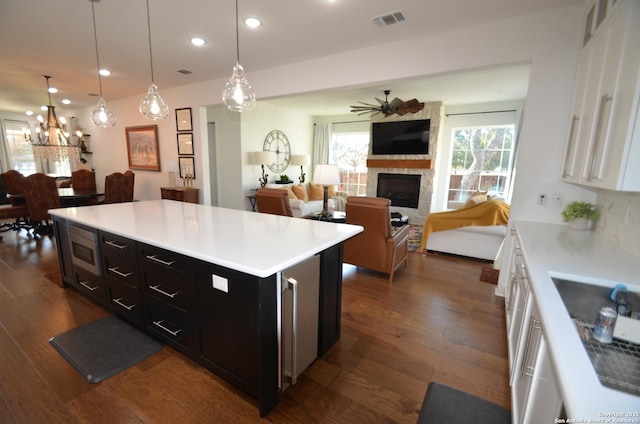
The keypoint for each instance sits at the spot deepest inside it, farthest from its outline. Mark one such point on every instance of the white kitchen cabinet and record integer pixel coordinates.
(516, 301)
(534, 393)
(603, 144)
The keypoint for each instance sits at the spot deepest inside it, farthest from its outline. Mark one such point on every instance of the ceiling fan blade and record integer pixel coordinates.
(396, 103)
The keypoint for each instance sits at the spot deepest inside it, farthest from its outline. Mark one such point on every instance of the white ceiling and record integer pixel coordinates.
(56, 38)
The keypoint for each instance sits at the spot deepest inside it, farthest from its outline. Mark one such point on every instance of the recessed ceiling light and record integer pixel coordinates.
(43, 108)
(29, 112)
(53, 90)
(252, 22)
(104, 72)
(197, 41)
(66, 101)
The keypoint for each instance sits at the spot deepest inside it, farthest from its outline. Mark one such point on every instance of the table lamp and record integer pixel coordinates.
(300, 160)
(326, 175)
(261, 158)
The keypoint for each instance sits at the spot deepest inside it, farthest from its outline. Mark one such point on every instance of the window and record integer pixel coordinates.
(20, 150)
(481, 160)
(349, 149)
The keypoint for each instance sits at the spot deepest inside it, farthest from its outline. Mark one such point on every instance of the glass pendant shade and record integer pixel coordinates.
(238, 94)
(102, 115)
(153, 106)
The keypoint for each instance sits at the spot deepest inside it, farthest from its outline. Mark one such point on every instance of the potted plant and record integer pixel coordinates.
(578, 215)
(284, 179)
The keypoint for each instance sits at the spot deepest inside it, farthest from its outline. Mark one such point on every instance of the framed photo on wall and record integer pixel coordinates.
(183, 119)
(187, 167)
(142, 148)
(185, 143)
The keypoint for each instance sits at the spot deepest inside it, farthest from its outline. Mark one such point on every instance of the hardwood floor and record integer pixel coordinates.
(435, 322)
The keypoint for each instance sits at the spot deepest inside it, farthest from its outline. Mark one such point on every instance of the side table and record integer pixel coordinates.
(181, 194)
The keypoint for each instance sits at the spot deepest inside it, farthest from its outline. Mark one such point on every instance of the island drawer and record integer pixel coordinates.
(126, 301)
(170, 326)
(90, 284)
(177, 292)
(121, 268)
(161, 259)
(114, 243)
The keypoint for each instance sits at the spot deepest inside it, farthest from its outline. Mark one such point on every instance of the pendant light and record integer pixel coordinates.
(101, 115)
(153, 106)
(238, 95)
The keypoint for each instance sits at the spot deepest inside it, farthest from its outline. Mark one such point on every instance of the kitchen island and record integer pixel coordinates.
(207, 281)
(554, 377)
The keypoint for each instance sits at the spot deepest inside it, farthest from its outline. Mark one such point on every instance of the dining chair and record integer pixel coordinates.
(83, 179)
(118, 188)
(13, 184)
(41, 194)
(131, 178)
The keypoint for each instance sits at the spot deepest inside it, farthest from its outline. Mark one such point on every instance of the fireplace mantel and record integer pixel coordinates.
(400, 163)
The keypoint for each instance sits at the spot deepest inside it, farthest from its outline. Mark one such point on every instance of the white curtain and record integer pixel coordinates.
(6, 163)
(321, 143)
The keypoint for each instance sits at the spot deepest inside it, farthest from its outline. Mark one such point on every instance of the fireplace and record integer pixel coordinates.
(402, 189)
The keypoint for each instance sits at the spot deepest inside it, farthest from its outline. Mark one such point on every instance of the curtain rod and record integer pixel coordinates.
(345, 122)
(480, 113)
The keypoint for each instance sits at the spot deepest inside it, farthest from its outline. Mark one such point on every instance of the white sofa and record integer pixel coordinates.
(301, 208)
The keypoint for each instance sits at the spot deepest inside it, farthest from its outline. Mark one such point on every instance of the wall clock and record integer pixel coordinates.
(278, 143)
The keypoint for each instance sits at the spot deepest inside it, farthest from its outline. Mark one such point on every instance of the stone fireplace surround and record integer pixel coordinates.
(410, 164)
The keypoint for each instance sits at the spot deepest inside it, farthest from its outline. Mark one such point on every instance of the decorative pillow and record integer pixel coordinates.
(290, 192)
(301, 192)
(475, 199)
(316, 192)
(332, 191)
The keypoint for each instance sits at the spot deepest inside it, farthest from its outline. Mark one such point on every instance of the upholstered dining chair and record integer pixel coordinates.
(273, 201)
(379, 247)
(118, 188)
(131, 178)
(83, 179)
(13, 184)
(12, 217)
(41, 194)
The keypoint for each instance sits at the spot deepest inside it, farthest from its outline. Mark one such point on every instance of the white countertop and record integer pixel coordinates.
(552, 250)
(254, 243)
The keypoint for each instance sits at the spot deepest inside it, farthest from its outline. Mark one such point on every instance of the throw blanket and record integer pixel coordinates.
(491, 212)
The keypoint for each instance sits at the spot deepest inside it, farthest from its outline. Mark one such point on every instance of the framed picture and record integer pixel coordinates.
(183, 119)
(185, 143)
(142, 147)
(187, 167)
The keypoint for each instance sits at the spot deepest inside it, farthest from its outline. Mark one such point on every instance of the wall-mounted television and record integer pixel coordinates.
(400, 137)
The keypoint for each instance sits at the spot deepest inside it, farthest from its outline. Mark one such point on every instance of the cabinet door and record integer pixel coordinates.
(543, 400)
(64, 251)
(520, 303)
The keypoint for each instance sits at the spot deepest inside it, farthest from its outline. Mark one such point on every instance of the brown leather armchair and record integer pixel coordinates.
(377, 248)
(273, 201)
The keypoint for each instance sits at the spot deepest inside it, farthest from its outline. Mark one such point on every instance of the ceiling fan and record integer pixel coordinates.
(396, 106)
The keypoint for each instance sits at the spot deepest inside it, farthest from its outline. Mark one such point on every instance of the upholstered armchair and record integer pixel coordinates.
(379, 247)
(273, 201)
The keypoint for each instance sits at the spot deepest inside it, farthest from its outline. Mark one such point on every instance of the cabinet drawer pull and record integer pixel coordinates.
(116, 245)
(159, 290)
(156, 259)
(159, 324)
(86, 285)
(119, 302)
(122, 274)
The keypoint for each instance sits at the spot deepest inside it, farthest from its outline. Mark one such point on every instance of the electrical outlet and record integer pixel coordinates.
(556, 200)
(542, 199)
(220, 283)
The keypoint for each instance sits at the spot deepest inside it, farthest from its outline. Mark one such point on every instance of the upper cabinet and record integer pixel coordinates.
(603, 144)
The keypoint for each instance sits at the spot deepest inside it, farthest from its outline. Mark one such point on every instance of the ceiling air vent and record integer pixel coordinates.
(389, 19)
(184, 71)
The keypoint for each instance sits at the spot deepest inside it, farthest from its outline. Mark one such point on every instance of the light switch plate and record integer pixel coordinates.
(220, 283)
(627, 329)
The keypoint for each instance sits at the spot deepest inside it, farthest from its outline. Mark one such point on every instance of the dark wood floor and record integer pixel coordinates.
(435, 322)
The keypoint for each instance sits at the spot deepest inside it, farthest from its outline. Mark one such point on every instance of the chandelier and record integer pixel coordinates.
(53, 141)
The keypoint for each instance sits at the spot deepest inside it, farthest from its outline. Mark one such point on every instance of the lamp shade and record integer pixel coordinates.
(261, 158)
(326, 175)
(300, 160)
